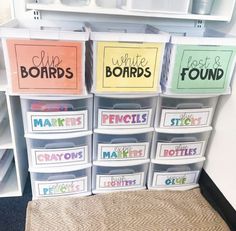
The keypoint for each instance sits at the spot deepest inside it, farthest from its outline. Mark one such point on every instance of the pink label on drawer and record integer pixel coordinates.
(124, 118)
(182, 150)
(59, 157)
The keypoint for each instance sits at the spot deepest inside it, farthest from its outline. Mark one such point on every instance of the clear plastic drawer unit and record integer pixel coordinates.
(127, 58)
(124, 111)
(109, 177)
(121, 147)
(57, 114)
(199, 64)
(73, 181)
(184, 145)
(70, 149)
(185, 111)
(153, 6)
(176, 176)
(55, 60)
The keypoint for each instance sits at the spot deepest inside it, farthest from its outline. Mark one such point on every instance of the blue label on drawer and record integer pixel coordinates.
(174, 179)
(43, 122)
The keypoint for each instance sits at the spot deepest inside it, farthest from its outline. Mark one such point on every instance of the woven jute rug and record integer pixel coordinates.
(125, 211)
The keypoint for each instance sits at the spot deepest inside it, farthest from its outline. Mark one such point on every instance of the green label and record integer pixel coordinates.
(202, 69)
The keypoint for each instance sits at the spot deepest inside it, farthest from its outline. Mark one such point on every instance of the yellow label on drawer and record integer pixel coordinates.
(128, 67)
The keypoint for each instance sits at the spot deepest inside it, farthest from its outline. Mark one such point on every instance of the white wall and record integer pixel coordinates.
(221, 156)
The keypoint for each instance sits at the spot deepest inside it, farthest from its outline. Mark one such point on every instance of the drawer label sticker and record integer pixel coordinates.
(61, 187)
(43, 122)
(122, 181)
(49, 66)
(201, 69)
(128, 67)
(175, 179)
(187, 118)
(123, 151)
(59, 157)
(124, 118)
(182, 150)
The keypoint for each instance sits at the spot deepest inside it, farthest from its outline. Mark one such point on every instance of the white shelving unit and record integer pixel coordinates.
(222, 10)
(12, 138)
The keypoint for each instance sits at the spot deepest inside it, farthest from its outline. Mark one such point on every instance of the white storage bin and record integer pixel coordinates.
(185, 111)
(121, 147)
(176, 176)
(185, 145)
(47, 151)
(120, 176)
(108, 3)
(57, 114)
(127, 58)
(73, 181)
(75, 2)
(5, 164)
(167, 6)
(124, 111)
(199, 65)
(55, 60)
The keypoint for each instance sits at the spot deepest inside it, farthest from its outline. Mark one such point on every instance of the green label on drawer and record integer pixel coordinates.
(200, 69)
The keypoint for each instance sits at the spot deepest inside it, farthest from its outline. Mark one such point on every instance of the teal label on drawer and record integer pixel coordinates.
(200, 69)
(123, 151)
(61, 187)
(175, 179)
(53, 122)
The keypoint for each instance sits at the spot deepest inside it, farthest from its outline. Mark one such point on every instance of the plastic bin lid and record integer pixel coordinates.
(211, 37)
(179, 162)
(126, 33)
(43, 29)
(183, 130)
(122, 163)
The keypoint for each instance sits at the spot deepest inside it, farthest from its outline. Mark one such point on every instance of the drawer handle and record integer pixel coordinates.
(189, 105)
(121, 171)
(123, 140)
(61, 177)
(127, 106)
(59, 145)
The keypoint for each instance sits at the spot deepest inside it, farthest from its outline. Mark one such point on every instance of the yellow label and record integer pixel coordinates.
(128, 67)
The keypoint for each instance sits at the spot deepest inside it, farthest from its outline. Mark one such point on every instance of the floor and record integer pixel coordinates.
(13, 211)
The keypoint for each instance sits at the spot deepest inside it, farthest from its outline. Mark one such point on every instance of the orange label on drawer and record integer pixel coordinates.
(44, 66)
(128, 67)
